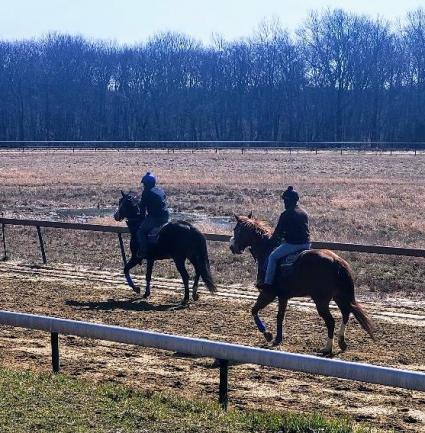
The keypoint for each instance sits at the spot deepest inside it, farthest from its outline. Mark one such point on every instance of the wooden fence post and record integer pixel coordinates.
(124, 258)
(4, 242)
(223, 390)
(54, 340)
(40, 239)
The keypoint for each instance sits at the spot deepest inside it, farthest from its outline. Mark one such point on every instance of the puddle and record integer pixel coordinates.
(83, 215)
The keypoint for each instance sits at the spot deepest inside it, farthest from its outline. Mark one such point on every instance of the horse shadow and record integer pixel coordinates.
(135, 304)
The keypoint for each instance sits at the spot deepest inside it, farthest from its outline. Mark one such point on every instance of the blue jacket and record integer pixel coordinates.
(153, 203)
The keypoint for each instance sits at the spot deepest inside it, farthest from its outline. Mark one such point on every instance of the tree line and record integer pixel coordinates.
(341, 76)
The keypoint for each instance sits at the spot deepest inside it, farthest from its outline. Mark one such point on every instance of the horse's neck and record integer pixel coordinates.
(261, 248)
(133, 225)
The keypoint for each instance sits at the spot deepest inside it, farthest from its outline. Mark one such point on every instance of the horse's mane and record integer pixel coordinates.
(260, 227)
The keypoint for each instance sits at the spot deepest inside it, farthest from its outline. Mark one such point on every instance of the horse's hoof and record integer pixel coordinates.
(195, 296)
(342, 344)
(325, 351)
(146, 295)
(136, 289)
(268, 336)
(277, 342)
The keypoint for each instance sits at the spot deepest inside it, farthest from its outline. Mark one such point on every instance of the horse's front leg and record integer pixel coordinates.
(131, 264)
(263, 300)
(149, 268)
(283, 302)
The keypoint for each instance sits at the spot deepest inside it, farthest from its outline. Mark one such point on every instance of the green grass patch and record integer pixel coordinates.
(35, 402)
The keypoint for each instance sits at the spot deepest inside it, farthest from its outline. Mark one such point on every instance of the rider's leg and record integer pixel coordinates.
(278, 253)
(142, 235)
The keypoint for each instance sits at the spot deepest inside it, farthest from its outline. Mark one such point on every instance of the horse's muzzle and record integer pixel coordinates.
(233, 247)
(117, 216)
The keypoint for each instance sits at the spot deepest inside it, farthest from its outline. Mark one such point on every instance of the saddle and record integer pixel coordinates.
(153, 235)
(285, 265)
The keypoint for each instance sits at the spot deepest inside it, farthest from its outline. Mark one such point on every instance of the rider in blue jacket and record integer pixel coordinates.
(153, 211)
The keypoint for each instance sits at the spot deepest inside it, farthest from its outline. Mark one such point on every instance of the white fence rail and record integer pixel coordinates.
(222, 351)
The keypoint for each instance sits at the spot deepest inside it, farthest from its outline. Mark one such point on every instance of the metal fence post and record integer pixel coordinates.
(54, 339)
(40, 238)
(4, 242)
(124, 258)
(223, 390)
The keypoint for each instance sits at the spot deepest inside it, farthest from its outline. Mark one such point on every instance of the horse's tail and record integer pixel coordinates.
(203, 263)
(346, 282)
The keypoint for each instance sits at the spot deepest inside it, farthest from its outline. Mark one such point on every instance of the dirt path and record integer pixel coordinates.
(101, 296)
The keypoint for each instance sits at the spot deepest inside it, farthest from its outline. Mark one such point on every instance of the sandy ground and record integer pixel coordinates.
(99, 296)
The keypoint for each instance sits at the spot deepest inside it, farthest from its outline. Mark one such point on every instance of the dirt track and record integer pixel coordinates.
(100, 296)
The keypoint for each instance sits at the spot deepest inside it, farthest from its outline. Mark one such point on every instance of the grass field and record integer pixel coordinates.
(33, 402)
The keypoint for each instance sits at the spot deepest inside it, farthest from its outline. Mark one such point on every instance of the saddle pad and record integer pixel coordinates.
(153, 235)
(290, 259)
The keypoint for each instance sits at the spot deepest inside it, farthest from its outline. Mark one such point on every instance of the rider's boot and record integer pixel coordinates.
(264, 287)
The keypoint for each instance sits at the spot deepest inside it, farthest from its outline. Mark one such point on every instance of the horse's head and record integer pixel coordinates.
(127, 207)
(247, 233)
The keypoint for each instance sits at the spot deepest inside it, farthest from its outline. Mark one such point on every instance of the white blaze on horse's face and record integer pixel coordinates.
(234, 247)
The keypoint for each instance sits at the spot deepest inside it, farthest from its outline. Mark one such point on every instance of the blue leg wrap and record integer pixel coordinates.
(129, 280)
(260, 324)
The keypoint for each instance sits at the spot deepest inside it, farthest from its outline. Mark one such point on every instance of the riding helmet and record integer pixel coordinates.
(290, 195)
(149, 179)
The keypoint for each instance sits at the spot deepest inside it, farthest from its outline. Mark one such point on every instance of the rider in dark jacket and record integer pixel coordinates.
(153, 211)
(292, 231)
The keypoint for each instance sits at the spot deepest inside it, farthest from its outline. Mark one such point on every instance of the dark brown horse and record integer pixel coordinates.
(177, 240)
(320, 274)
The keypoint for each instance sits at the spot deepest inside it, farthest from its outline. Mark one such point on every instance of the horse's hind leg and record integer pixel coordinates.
(185, 277)
(149, 268)
(325, 314)
(195, 264)
(345, 311)
(283, 302)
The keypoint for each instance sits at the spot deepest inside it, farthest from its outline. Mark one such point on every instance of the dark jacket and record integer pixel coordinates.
(153, 203)
(293, 226)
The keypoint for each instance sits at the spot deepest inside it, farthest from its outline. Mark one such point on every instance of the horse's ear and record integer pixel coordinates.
(122, 193)
(236, 217)
(250, 215)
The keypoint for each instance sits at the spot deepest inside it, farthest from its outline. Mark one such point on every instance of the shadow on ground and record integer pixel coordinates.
(137, 304)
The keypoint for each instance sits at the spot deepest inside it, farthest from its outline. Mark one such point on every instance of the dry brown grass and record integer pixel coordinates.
(360, 198)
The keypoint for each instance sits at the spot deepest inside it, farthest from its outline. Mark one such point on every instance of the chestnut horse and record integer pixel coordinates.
(320, 274)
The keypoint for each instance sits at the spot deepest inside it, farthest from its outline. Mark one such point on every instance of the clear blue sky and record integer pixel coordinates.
(129, 21)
